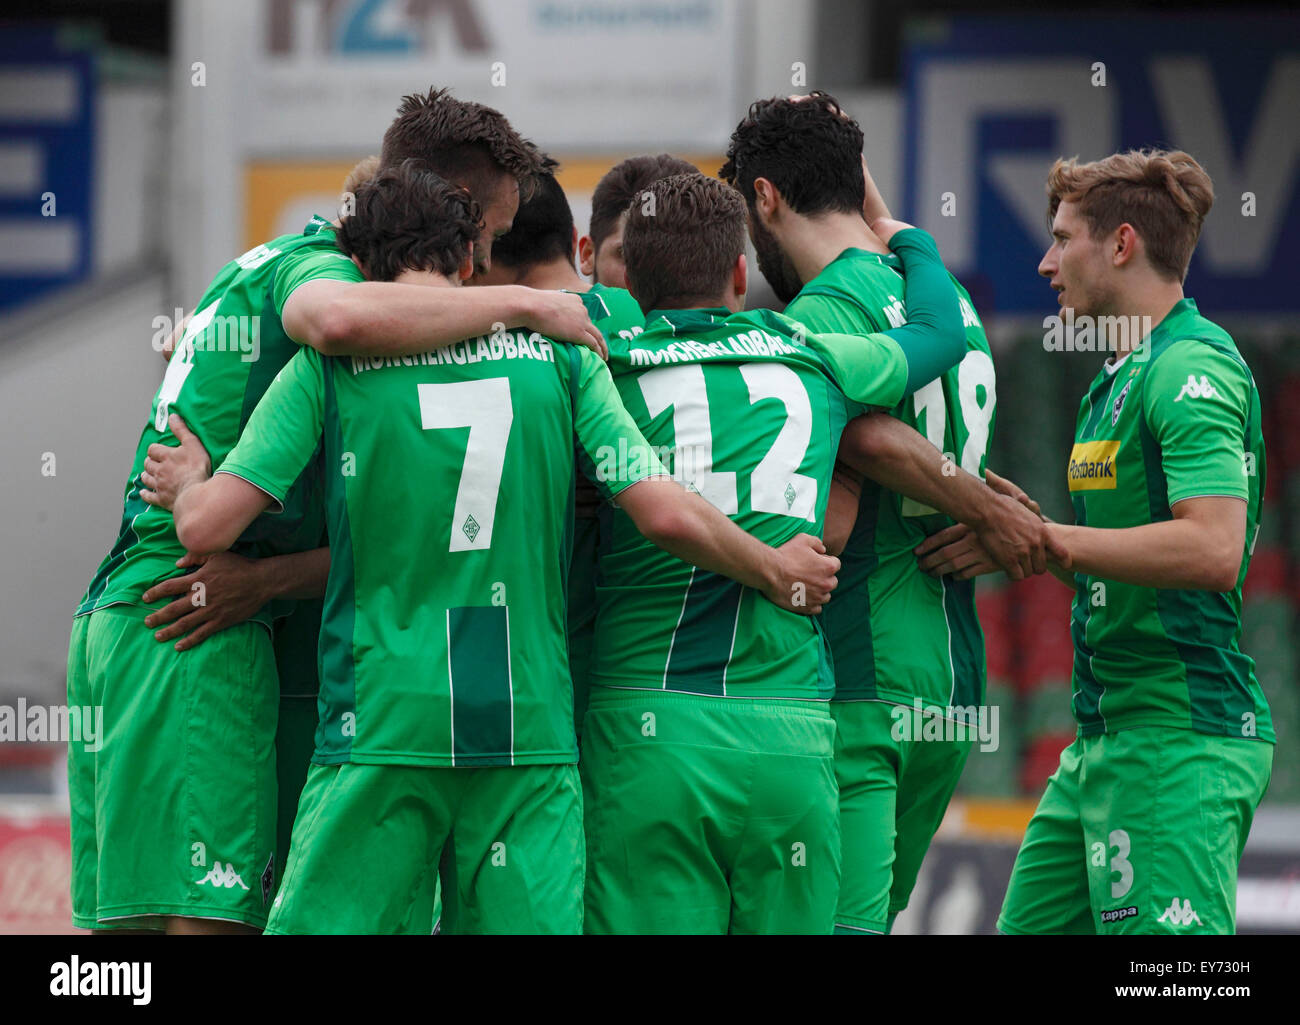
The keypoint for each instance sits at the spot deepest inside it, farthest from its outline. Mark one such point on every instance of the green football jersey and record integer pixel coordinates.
(448, 489)
(616, 315)
(748, 412)
(1177, 419)
(614, 312)
(231, 350)
(898, 634)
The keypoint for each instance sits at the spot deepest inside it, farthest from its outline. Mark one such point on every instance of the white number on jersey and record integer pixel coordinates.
(775, 486)
(974, 371)
(485, 408)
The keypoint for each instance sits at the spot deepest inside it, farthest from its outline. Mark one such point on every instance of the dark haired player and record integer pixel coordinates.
(173, 820)
(897, 634)
(707, 758)
(600, 251)
(446, 747)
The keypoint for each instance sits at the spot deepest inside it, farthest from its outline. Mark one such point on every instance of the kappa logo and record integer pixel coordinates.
(1119, 404)
(1194, 389)
(1176, 915)
(1119, 914)
(222, 878)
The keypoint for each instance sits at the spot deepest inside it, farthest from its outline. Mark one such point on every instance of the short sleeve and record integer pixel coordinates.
(282, 434)
(1196, 400)
(615, 452)
(308, 265)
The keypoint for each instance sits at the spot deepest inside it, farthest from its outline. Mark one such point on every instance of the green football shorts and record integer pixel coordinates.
(709, 815)
(174, 813)
(371, 842)
(1139, 831)
(893, 794)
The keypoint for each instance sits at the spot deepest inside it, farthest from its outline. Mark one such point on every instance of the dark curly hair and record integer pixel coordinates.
(407, 218)
(463, 142)
(622, 183)
(808, 149)
(682, 239)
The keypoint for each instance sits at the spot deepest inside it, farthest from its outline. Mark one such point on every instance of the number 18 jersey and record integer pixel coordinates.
(896, 633)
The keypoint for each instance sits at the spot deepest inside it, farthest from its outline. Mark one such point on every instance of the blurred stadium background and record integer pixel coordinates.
(145, 142)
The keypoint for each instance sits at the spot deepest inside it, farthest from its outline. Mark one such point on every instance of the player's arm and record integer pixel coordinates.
(890, 452)
(177, 333)
(210, 516)
(841, 508)
(799, 576)
(378, 318)
(879, 369)
(233, 588)
(1201, 437)
(277, 442)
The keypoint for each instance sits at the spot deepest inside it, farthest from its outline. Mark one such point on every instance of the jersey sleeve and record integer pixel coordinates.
(309, 264)
(1196, 401)
(934, 337)
(612, 449)
(281, 435)
(871, 370)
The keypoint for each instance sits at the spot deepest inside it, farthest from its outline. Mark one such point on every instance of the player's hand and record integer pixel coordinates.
(1012, 490)
(805, 576)
(170, 469)
(1017, 538)
(887, 227)
(224, 590)
(956, 550)
(563, 317)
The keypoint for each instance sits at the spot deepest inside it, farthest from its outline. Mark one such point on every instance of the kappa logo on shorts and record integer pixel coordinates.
(1119, 914)
(1175, 915)
(222, 878)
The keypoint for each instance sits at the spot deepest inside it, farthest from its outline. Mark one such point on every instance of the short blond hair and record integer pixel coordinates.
(359, 175)
(1163, 194)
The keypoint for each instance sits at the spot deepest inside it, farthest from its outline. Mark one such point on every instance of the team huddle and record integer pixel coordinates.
(552, 605)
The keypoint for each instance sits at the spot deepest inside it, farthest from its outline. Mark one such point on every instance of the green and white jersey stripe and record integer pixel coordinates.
(896, 633)
(748, 413)
(448, 490)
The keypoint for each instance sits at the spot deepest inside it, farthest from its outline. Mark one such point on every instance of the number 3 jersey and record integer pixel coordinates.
(230, 352)
(448, 483)
(896, 633)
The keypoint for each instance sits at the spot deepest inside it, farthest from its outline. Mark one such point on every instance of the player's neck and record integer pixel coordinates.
(814, 242)
(1145, 307)
(555, 275)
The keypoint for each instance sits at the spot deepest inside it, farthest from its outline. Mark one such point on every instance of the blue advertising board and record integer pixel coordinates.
(47, 133)
(991, 102)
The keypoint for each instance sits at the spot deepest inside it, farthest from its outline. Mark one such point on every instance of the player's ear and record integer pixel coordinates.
(766, 198)
(586, 256)
(1125, 245)
(466, 269)
(740, 278)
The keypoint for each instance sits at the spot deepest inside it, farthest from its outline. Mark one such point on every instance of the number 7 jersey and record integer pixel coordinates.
(448, 496)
